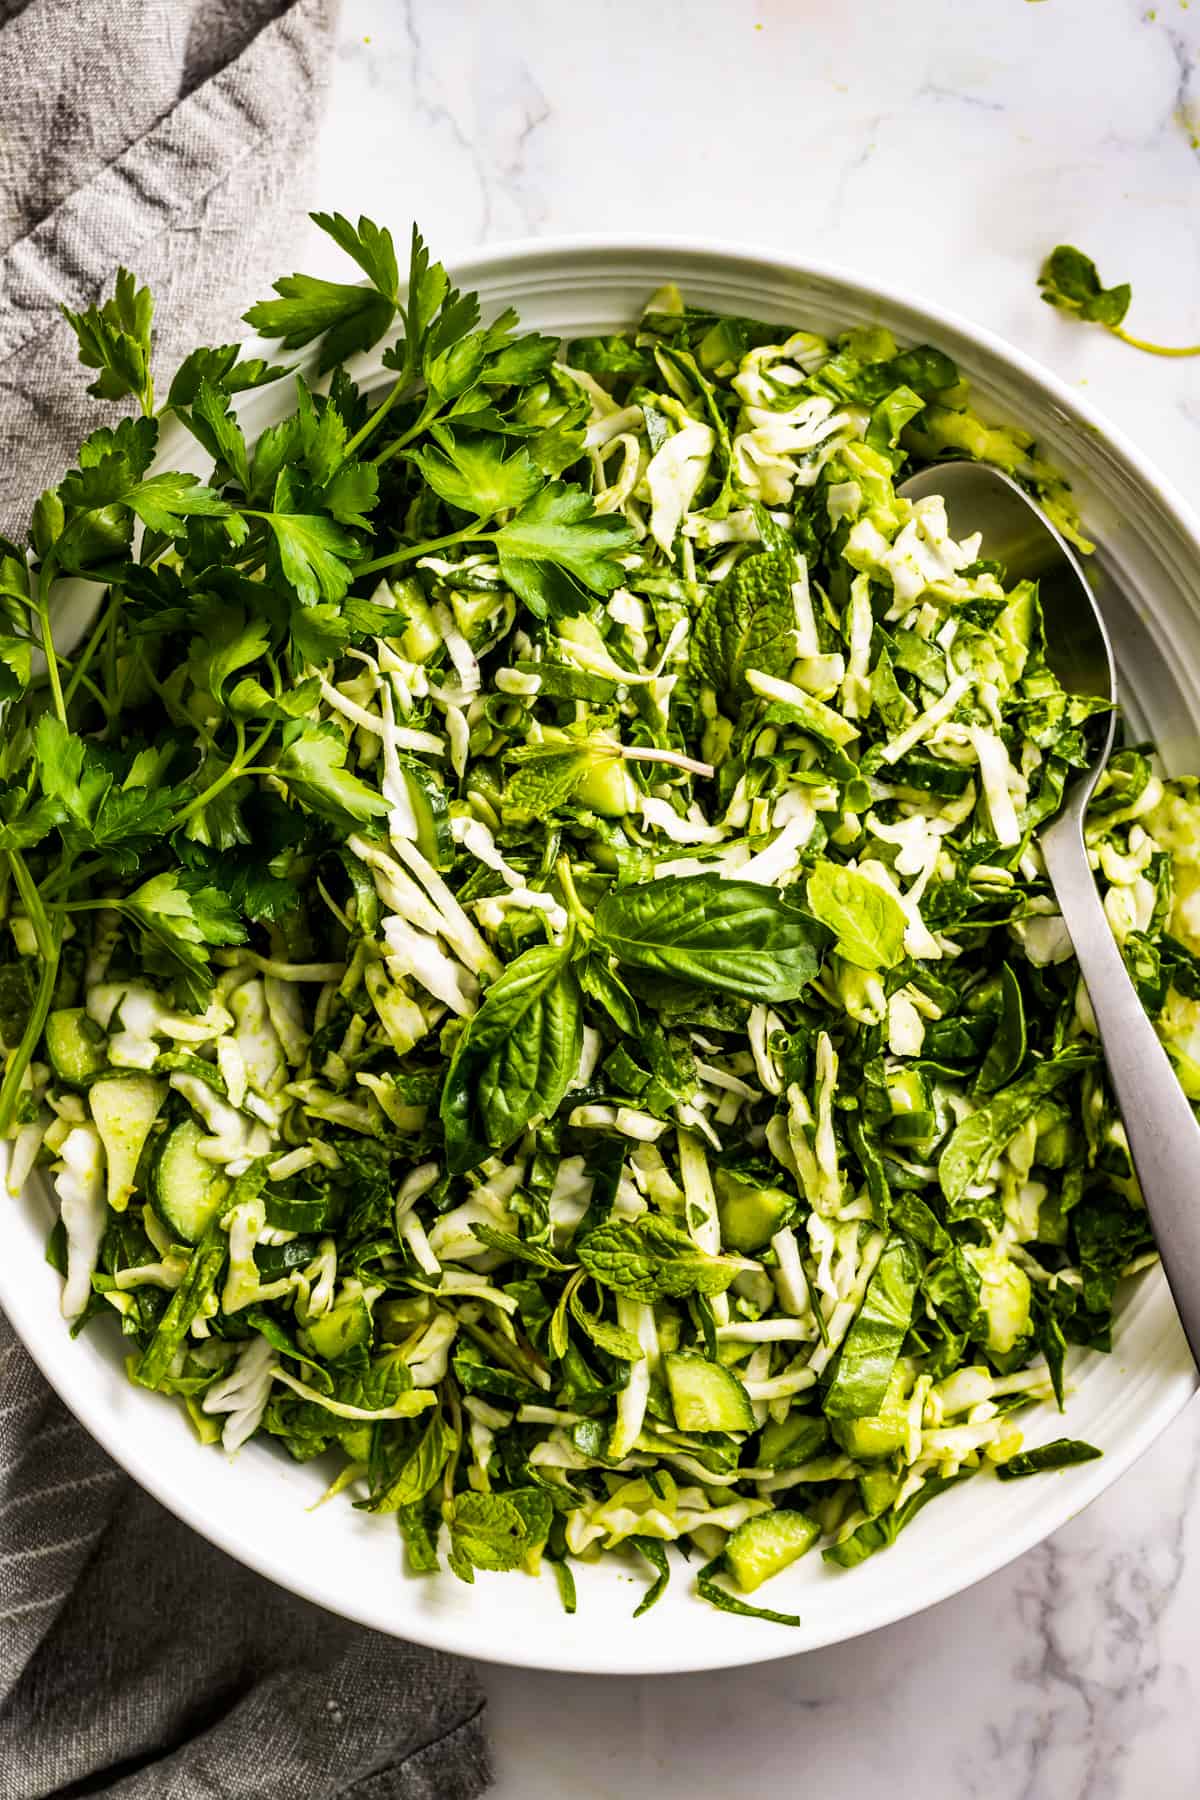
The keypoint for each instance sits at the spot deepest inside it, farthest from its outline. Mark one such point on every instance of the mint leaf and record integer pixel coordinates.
(490, 1531)
(869, 923)
(651, 1260)
(405, 1473)
(747, 622)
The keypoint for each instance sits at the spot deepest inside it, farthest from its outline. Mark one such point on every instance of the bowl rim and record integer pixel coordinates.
(54, 1350)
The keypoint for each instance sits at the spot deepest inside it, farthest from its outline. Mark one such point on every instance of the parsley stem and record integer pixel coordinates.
(1138, 343)
(48, 935)
(67, 877)
(411, 550)
(45, 580)
(425, 417)
(385, 406)
(84, 659)
(239, 765)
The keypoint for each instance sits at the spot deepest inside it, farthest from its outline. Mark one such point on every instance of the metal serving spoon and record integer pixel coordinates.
(1163, 1135)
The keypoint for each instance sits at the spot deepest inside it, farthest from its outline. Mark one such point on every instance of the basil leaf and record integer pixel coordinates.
(515, 1059)
(733, 935)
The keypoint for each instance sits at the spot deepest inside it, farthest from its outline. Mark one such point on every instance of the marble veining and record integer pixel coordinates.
(945, 147)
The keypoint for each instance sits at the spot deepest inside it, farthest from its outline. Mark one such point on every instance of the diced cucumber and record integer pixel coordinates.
(124, 1108)
(878, 1434)
(420, 638)
(908, 1092)
(342, 1328)
(913, 1128)
(705, 1396)
(75, 1045)
(877, 1488)
(750, 1214)
(189, 1191)
(786, 1443)
(427, 798)
(764, 1545)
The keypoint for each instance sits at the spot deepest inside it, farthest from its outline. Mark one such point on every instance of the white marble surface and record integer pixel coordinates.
(945, 145)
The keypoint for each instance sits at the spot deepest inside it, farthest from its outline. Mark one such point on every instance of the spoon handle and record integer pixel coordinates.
(1163, 1135)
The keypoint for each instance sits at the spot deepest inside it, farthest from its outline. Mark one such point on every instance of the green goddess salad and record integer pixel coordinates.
(526, 964)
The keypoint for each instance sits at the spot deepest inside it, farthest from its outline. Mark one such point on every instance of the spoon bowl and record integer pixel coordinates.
(1160, 1126)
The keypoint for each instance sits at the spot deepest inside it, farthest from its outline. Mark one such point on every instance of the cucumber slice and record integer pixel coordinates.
(427, 798)
(75, 1045)
(766, 1544)
(877, 1488)
(705, 1396)
(880, 1434)
(342, 1328)
(913, 1128)
(750, 1215)
(189, 1191)
(786, 1443)
(124, 1108)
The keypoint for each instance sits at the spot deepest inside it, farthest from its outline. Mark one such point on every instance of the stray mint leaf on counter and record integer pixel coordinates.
(504, 896)
(1069, 281)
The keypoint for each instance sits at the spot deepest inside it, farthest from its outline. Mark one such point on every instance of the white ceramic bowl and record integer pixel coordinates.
(257, 1507)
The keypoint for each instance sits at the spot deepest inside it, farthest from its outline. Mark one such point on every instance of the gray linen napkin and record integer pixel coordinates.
(172, 136)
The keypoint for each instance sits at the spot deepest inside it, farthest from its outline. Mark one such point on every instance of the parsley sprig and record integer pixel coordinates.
(226, 600)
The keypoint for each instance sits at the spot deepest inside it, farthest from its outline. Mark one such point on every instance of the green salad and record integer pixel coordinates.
(526, 961)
